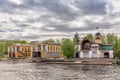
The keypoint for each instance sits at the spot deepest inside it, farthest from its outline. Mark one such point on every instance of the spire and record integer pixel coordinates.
(97, 27)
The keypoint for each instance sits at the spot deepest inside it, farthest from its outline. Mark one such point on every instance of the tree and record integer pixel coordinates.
(68, 48)
(104, 39)
(22, 41)
(111, 38)
(49, 40)
(117, 54)
(76, 39)
(90, 37)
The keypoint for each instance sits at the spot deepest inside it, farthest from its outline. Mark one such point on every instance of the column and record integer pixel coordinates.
(81, 54)
(16, 53)
(90, 54)
(31, 51)
(111, 53)
(41, 47)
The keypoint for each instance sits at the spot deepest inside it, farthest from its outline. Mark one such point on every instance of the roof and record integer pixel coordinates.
(20, 45)
(52, 43)
(107, 47)
(98, 33)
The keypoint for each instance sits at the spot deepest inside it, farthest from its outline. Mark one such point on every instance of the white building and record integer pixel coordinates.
(96, 49)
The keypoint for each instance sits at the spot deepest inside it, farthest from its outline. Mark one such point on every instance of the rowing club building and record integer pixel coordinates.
(95, 49)
(38, 49)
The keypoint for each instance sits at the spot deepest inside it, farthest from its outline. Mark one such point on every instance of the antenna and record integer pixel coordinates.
(97, 28)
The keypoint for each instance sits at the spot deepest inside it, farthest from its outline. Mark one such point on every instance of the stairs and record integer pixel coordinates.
(22, 53)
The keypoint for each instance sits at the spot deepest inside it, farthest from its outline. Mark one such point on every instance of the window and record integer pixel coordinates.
(56, 48)
(39, 47)
(51, 47)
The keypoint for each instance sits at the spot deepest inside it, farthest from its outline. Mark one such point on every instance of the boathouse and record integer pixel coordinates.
(94, 49)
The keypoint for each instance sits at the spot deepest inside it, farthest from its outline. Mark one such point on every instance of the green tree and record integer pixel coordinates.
(117, 54)
(104, 39)
(111, 38)
(76, 39)
(22, 42)
(90, 37)
(68, 48)
(49, 40)
(1, 50)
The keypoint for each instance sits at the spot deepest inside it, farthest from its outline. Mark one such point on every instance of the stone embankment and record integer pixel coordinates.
(64, 61)
(81, 61)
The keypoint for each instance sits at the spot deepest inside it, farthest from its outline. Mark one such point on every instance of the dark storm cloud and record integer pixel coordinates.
(56, 7)
(94, 7)
(90, 26)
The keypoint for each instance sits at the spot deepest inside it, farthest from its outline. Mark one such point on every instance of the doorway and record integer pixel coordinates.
(94, 54)
(36, 54)
(86, 54)
(77, 54)
(39, 54)
(106, 55)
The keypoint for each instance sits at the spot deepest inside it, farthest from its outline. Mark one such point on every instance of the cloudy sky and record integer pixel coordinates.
(44, 19)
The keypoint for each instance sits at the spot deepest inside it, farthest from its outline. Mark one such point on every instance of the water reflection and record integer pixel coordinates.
(40, 71)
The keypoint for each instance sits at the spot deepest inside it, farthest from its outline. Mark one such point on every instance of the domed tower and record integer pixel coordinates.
(98, 38)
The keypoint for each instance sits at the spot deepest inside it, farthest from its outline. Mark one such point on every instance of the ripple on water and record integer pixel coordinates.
(38, 71)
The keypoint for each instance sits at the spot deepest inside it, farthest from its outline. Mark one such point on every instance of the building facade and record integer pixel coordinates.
(43, 50)
(48, 50)
(19, 50)
(94, 49)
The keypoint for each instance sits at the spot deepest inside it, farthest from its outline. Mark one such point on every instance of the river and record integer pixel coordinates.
(38, 71)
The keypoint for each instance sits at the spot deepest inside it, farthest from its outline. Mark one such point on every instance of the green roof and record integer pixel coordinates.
(107, 47)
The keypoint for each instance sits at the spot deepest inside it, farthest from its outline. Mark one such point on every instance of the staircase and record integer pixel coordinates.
(22, 53)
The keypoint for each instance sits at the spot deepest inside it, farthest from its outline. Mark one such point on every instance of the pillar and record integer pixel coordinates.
(31, 51)
(81, 54)
(90, 54)
(16, 53)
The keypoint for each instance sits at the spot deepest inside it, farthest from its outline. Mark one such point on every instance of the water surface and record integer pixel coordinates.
(38, 71)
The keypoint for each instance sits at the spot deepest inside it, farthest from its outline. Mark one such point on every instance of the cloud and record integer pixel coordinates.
(92, 7)
(29, 19)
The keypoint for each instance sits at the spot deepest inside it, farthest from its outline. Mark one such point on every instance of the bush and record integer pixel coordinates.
(117, 54)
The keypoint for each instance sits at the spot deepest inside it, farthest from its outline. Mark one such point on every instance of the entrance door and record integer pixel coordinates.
(85, 54)
(106, 55)
(94, 54)
(36, 54)
(39, 54)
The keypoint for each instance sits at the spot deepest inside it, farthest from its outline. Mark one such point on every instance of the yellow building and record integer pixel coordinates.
(47, 50)
(19, 50)
(43, 50)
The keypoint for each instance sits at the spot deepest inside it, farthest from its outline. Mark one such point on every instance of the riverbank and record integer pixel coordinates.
(63, 61)
(83, 61)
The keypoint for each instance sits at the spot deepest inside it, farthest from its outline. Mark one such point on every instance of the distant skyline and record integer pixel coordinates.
(45, 19)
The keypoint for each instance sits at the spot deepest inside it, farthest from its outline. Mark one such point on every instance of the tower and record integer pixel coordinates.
(98, 38)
